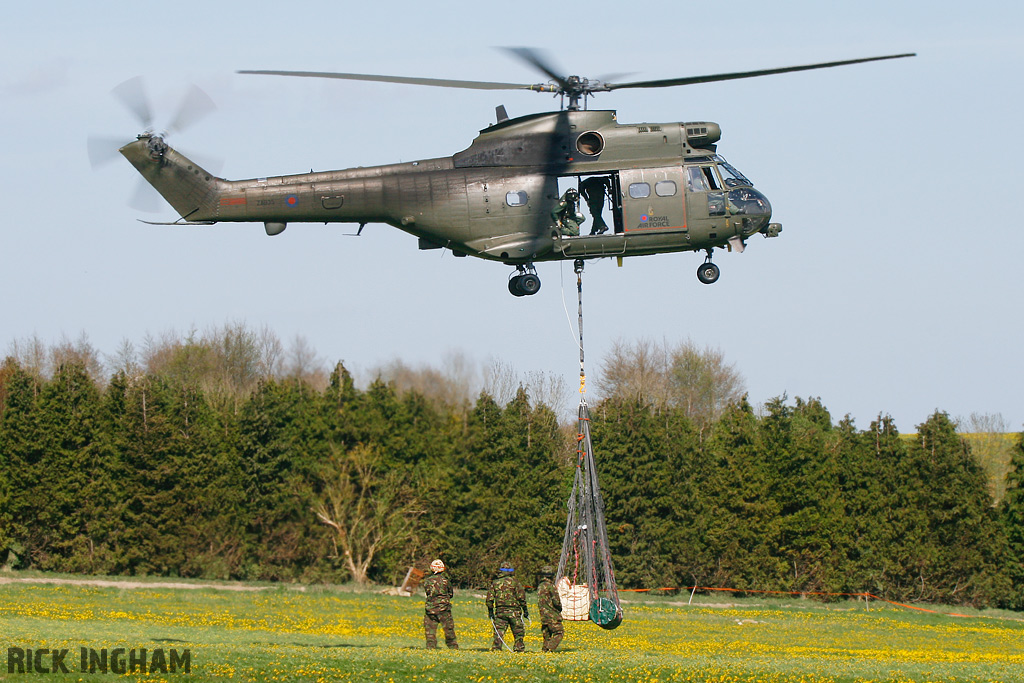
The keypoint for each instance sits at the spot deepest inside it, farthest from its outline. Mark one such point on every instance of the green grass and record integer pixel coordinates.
(280, 633)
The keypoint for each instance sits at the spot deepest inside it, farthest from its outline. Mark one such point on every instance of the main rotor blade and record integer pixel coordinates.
(535, 58)
(436, 82)
(746, 74)
(132, 95)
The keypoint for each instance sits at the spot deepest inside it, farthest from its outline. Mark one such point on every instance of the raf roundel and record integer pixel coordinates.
(291, 200)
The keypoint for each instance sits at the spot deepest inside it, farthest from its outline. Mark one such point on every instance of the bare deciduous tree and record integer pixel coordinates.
(42, 361)
(697, 380)
(125, 359)
(270, 353)
(369, 509)
(32, 355)
(987, 433)
(702, 383)
(550, 389)
(453, 385)
(302, 362)
(502, 382)
(637, 371)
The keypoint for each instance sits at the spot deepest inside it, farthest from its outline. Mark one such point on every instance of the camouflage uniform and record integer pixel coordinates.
(566, 213)
(506, 606)
(550, 607)
(438, 610)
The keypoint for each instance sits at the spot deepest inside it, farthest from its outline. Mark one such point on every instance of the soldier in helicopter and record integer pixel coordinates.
(594, 190)
(566, 213)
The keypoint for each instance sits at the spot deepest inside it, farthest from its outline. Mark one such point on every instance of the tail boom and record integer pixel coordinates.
(193, 191)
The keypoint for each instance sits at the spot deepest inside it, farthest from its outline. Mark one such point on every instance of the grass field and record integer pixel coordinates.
(285, 634)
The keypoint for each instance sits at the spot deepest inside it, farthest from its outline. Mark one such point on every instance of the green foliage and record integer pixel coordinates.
(507, 497)
(159, 473)
(645, 467)
(1011, 515)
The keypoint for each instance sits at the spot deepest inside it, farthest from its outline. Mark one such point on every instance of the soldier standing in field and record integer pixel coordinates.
(506, 606)
(550, 607)
(438, 607)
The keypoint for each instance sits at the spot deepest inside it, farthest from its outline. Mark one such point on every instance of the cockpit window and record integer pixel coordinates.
(695, 180)
(709, 173)
(730, 175)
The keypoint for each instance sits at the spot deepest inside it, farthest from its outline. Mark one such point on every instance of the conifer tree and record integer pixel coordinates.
(964, 540)
(282, 443)
(645, 462)
(740, 518)
(802, 456)
(1011, 514)
(21, 450)
(71, 483)
(511, 501)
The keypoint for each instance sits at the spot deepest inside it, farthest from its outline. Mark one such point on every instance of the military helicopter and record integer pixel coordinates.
(664, 186)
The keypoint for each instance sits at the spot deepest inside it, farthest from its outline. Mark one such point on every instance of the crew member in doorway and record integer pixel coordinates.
(594, 190)
(567, 215)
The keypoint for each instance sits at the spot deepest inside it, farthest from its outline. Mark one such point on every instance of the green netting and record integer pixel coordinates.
(586, 559)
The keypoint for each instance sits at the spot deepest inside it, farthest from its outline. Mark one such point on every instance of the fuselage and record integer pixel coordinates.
(663, 188)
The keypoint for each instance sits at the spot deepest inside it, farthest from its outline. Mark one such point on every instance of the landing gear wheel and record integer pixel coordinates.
(529, 284)
(524, 282)
(708, 273)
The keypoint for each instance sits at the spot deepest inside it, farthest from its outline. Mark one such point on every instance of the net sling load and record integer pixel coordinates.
(585, 578)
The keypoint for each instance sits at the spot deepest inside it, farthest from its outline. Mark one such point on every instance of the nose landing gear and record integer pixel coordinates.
(525, 282)
(708, 272)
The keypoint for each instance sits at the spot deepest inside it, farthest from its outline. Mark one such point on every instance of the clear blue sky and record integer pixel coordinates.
(896, 286)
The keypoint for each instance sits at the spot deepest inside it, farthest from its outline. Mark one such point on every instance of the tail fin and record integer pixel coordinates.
(192, 191)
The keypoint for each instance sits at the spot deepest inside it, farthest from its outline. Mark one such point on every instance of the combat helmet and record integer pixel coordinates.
(506, 568)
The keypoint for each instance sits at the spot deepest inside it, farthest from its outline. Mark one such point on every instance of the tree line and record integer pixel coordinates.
(157, 470)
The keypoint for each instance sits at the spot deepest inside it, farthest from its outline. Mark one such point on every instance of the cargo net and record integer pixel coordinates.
(585, 580)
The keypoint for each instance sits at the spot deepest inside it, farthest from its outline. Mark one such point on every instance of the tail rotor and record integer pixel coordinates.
(194, 106)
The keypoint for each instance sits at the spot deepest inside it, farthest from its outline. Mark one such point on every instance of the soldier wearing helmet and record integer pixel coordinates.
(438, 607)
(506, 606)
(566, 214)
(550, 607)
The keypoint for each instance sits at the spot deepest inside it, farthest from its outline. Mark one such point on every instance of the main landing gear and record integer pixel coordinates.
(525, 282)
(708, 272)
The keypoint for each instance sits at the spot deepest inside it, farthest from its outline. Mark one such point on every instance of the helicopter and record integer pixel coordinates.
(516, 194)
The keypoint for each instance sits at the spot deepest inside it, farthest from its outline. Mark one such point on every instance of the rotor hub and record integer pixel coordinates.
(155, 145)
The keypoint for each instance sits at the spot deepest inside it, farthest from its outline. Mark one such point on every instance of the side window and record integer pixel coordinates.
(516, 198)
(639, 190)
(665, 188)
(695, 180)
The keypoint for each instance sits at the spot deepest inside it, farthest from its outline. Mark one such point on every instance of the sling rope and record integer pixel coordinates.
(585, 578)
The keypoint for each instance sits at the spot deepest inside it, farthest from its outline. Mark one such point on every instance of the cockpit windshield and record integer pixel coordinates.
(730, 176)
